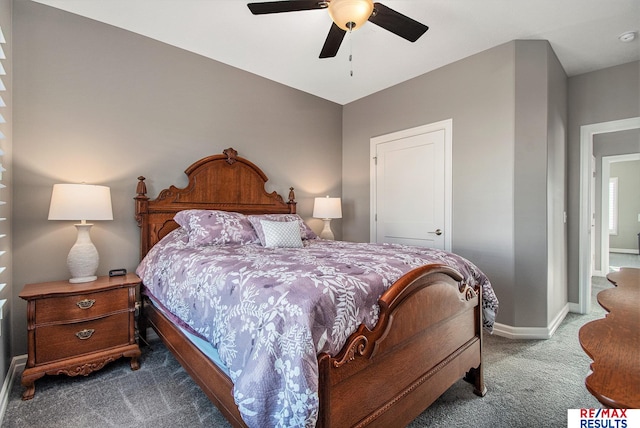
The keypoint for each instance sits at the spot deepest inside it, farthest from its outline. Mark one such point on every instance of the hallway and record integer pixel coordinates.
(618, 260)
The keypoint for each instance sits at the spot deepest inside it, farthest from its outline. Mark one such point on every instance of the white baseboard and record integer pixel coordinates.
(575, 308)
(623, 251)
(16, 366)
(510, 332)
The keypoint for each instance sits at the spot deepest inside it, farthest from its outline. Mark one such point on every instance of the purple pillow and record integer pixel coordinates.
(305, 231)
(213, 227)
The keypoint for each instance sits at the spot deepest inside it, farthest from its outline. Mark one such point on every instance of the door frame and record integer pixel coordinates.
(587, 132)
(445, 125)
(604, 205)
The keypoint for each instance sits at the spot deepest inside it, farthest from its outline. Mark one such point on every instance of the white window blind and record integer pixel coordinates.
(4, 210)
(613, 205)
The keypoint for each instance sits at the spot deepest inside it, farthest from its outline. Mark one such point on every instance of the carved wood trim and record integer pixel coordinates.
(83, 369)
(364, 342)
(232, 155)
(356, 346)
(467, 291)
(225, 182)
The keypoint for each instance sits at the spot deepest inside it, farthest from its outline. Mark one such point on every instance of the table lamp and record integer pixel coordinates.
(81, 202)
(327, 209)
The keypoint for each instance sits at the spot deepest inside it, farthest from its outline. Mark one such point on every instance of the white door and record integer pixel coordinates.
(410, 188)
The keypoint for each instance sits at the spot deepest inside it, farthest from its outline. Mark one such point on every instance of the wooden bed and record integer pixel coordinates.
(382, 377)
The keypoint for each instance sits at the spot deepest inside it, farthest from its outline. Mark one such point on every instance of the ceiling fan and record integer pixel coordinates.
(347, 15)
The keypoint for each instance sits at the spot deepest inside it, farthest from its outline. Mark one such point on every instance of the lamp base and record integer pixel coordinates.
(83, 279)
(327, 233)
(83, 257)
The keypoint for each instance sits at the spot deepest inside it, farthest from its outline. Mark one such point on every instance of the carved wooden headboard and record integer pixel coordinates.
(224, 182)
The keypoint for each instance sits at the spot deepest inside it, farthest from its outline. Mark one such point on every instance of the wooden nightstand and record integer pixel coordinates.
(75, 329)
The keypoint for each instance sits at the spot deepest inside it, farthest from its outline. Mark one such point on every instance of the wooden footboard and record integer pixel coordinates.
(428, 337)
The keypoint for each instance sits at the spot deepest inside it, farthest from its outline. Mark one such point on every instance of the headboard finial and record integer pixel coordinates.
(141, 190)
(232, 155)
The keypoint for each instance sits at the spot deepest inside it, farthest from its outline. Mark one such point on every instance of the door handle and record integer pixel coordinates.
(437, 232)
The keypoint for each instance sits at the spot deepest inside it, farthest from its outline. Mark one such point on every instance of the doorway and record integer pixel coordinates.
(587, 132)
(609, 207)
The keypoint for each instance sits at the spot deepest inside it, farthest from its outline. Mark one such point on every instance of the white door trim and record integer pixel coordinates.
(447, 126)
(604, 205)
(584, 246)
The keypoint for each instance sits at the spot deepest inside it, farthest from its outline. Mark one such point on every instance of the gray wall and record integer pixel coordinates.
(557, 123)
(6, 193)
(600, 96)
(628, 174)
(478, 94)
(539, 177)
(102, 105)
(508, 106)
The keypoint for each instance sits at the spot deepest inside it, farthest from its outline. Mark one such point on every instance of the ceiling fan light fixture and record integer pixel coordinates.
(350, 14)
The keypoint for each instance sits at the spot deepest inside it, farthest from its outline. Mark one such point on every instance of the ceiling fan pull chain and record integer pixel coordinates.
(350, 53)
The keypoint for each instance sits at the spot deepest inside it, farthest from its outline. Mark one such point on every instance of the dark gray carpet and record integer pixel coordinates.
(531, 383)
(160, 394)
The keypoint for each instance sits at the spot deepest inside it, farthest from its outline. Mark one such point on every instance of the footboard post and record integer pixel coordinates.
(142, 321)
(476, 375)
(324, 391)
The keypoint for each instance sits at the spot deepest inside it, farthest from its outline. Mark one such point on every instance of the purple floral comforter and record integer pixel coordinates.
(270, 311)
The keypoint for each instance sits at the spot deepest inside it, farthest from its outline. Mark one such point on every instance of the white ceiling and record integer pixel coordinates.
(284, 47)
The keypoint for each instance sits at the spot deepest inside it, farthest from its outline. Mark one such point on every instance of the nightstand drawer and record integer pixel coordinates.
(69, 340)
(81, 306)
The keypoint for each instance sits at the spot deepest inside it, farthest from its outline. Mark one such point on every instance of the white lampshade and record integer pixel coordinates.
(327, 208)
(350, 14)
(80, 202)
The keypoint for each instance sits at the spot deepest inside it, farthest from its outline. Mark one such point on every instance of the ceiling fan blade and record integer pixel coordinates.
(397, 23)
(285, 6)
(333, 42)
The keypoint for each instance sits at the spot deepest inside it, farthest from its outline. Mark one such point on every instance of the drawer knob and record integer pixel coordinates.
(85, 334)
(86, 303)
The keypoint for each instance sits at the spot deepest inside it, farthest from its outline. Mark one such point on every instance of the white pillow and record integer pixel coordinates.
(281, 234)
